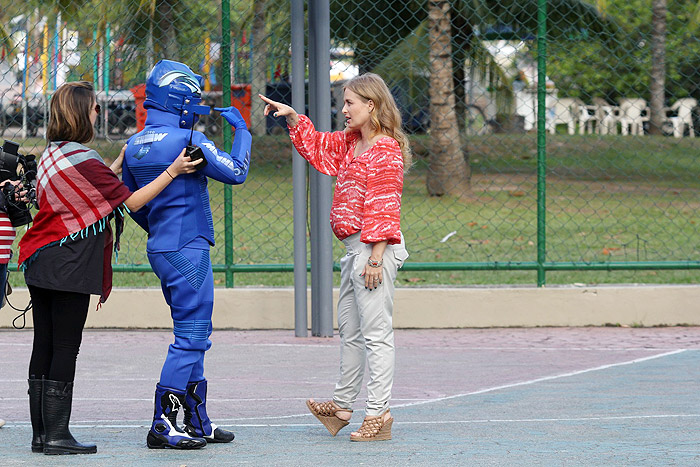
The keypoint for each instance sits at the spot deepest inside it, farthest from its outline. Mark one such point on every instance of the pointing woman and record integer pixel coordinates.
(368, 158)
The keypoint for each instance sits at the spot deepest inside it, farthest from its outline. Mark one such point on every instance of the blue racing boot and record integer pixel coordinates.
(197, 421)
(164, 432)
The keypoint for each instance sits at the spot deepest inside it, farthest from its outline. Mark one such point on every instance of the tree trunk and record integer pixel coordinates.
(448, 172)
(658, 66)
(167, 30)
(119, 61)
(150, 53)
(461, 39)
(258, 80)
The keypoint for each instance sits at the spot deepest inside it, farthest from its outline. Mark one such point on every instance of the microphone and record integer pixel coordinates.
(195, 152)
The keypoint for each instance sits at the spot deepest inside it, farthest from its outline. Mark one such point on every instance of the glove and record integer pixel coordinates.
(233, 117)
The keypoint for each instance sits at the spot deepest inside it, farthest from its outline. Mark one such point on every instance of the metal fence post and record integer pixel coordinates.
(105, 79)
(605, 201)
(226, 97)
(541, 140)
(321, 191)
(299, 167)
(313, 179)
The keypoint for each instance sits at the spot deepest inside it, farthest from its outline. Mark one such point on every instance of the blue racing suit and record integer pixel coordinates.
(180, 232)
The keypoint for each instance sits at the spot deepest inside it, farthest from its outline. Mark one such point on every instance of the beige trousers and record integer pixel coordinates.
(365, 326)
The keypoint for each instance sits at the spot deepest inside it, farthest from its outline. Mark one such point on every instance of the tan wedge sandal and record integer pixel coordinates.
(326, 413)
(374, 429)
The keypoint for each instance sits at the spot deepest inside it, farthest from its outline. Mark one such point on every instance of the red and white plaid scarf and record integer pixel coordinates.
(76, 193)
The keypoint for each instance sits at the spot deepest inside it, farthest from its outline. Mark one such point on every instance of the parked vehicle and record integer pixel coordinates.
(11, 114)
(121, 117)
(281, 91)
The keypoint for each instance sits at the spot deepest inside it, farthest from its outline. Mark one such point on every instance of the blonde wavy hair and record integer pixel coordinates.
(385, 118)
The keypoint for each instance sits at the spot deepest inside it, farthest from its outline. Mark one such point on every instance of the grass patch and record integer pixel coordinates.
(609, 198)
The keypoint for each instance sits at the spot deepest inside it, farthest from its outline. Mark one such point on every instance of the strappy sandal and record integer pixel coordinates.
(374, 429)
(326, 413)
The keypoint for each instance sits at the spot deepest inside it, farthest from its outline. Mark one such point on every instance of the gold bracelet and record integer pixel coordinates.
(171, 177)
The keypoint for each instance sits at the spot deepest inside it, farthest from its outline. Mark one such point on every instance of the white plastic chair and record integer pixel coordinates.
(631, 117)
(584, 115)
(560, 114)
(683, 108)
(607, 116)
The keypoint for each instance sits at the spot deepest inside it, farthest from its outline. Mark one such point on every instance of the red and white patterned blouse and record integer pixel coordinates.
(368, 189)
(7, 236)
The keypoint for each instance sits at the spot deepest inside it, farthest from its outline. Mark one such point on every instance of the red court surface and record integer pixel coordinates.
(508, 396)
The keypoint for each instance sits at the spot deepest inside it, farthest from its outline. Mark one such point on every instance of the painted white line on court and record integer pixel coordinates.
(439, 399)
(545, 378)
(139, 423)
(557, 349)
(209, 399)
(148, 379)
(539, 420)
(150, 399)
(232, 423)
(281, 345)
(95, 344)
(456, 347)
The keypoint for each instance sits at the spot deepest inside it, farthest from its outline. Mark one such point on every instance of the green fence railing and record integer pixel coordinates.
(554, 142)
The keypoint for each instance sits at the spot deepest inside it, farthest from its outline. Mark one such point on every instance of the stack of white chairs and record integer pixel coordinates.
(630, 116)
(560, 114)
(586, 117)
(682, 110)
(633, 114)
(607, 116)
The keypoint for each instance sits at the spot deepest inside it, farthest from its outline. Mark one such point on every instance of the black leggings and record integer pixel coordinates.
(59, 318)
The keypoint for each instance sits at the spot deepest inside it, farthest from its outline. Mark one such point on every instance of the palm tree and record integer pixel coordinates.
(269, 32)
(159, 15)
(259, 71)
(454, 26)
(449, 172)
(657, 84)
(454, 23)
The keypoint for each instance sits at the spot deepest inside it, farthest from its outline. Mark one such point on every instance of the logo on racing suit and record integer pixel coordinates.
(145, 140)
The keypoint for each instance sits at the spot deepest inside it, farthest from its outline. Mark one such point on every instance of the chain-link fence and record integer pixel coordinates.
(566, 145)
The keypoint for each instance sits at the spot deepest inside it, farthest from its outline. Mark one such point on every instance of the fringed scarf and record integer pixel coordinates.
(77, 194)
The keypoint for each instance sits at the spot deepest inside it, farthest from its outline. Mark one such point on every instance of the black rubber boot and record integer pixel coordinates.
(56, 408)
(35, 390)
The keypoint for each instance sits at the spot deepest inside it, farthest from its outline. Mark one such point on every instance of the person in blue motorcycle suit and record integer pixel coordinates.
(180, 232)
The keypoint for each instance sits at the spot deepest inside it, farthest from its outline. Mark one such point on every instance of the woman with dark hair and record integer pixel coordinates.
(66, 254)
(368, 158)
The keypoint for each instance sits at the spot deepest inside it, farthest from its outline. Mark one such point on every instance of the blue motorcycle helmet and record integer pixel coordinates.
(172, 87)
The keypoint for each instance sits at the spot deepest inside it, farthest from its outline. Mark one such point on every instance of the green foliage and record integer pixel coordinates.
(373, 28)
(610, 198)
(144, 31)
(619, 66)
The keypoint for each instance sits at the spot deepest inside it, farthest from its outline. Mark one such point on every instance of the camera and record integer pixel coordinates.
(15, 166)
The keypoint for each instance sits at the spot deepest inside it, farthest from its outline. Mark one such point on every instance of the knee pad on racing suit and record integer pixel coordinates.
(186, 353)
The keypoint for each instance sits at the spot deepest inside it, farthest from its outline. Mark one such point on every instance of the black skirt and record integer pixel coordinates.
(74, 266)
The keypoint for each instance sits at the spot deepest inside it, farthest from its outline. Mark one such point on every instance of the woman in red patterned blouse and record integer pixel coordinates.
(368, 158)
